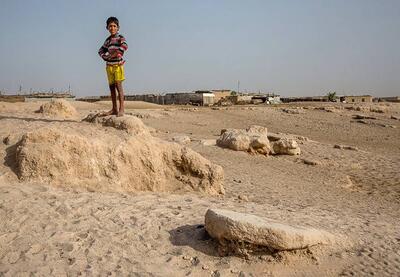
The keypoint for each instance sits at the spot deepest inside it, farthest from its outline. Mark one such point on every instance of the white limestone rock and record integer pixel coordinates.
(253, 139)
(225, 225)
(285, 146)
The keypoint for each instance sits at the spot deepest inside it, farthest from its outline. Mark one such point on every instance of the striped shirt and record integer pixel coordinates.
(113, 50)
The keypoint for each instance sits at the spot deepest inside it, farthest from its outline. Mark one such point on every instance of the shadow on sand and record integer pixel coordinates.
(32, 119)
(10, 160)
(196, 237)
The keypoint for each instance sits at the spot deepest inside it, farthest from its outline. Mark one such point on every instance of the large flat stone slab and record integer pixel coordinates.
(234, 226)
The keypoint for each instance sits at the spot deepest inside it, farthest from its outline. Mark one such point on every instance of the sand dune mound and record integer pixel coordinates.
(130, 124)
(58, 108)
(114, 162)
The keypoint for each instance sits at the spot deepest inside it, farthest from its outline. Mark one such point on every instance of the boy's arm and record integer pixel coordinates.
(123, 45)
(103, 52)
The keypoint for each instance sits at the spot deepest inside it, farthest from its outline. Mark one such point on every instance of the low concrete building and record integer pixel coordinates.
(240, 99)
(357, 99)
(208, 99)
(220, 94)
(274, 99)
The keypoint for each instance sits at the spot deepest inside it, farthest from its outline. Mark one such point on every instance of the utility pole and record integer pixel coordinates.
(238, 86)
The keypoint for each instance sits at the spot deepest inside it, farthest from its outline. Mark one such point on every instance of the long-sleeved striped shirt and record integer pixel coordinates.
(113, 50)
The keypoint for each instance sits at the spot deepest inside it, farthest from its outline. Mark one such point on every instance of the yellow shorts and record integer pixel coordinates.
(115, 73)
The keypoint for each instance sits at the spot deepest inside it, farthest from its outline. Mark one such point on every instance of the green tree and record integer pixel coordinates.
(332, 96)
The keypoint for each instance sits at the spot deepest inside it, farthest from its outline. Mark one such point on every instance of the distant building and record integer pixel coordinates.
(12, 98)
(200, 98)
(37, 96)
(208, 99)
(274, 99)
(89, 99)
(357, 99)
(389, 99)
(183, 99)
(305, 99)
(240, 99)
(220, 93)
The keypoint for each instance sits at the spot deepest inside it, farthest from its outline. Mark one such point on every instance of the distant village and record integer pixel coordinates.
(217, 97)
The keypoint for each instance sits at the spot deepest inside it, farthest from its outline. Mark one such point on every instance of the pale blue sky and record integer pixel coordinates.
(306, 47)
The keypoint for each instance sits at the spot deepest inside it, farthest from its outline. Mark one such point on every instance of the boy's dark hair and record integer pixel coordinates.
(112, 19)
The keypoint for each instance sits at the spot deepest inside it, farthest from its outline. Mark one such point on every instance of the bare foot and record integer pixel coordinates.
(120, 113)
(111, 112)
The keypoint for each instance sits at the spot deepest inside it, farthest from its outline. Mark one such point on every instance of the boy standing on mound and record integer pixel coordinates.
(112, 53)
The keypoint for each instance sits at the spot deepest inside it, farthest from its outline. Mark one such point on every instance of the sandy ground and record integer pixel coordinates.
(53, 231)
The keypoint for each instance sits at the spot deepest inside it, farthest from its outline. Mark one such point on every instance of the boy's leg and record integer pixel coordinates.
(114, 99)
(120, 98)
(114, 110)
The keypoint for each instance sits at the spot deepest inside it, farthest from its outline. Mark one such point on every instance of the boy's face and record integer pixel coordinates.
(112, 28)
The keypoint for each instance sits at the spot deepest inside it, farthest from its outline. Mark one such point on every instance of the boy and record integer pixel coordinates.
(112, 52)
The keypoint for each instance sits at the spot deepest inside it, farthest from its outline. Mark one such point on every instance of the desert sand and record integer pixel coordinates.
(65, 218)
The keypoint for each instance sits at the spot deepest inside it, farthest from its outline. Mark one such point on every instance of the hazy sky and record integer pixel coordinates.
(288, 47)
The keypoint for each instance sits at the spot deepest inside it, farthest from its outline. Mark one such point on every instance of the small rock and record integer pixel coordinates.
(387, 126)
(181, 139)
(216, 273)
(345, 147)
(205, 267)
(310, 162)
(285, 146)
(292, 111)
(6, 140)
(301, 138)
(362, 121)
(275, 137)
(395, 117)
(243, 197)
(361, 116)
(195, 261)
(186, 258)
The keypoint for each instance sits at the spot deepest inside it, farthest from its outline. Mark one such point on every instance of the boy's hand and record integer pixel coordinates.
(106, 56)
(116, 53)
